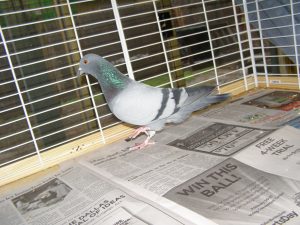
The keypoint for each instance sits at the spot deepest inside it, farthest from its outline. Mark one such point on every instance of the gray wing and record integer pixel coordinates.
(185, 101)
(195, 98)
(140, 104)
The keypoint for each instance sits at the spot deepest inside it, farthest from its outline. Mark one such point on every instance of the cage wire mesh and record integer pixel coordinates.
(164, 43)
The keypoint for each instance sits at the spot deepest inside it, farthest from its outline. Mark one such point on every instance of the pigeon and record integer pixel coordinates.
(148, 107)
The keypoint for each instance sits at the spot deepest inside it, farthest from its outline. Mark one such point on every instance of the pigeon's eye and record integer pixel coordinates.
(85, 61)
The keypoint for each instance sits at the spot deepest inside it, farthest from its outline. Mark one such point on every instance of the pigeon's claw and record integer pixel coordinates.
(137, 132)
(150, 133)
(142, 145)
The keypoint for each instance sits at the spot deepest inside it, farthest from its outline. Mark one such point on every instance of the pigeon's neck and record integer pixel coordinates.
(112, 81)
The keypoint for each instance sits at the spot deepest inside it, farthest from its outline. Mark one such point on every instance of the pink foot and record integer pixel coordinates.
(142, 145)
(150, 133)
(137, 132)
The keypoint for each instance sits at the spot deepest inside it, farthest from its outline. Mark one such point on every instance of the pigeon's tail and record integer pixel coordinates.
(204, 102)
(200, 103)
(217, 98)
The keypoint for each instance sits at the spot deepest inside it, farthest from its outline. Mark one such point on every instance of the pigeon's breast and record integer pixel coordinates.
(139, 105)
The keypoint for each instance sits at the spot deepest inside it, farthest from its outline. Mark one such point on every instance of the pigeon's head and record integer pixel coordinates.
(102, 70)
(89, 64)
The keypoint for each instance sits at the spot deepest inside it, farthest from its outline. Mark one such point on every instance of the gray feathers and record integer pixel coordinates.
(143, 105)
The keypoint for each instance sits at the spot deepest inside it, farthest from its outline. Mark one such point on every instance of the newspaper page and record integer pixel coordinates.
(219, 138)
(75, 195)
(233, 193)
(267, 108)
(175, 158)
(277, 153)
(163, 169)
(216, 138)
(217, 187)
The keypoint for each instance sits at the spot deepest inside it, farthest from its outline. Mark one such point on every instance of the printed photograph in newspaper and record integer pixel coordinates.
(280, 100)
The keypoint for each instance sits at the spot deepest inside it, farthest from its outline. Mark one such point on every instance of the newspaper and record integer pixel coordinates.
(75, 195)
(162, 166)
(158, 168)
(216, 186)
(219, 138)
(233, 193)
(195, 171)
(277, 153)
(265, 108)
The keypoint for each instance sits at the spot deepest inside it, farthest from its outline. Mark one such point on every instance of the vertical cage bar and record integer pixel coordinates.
(86, 76)
(295, 42)
(163, 43)
(21, 97)
(262, 45)
(240, 44)
(122, 38)
(250, 41)
(211, 46)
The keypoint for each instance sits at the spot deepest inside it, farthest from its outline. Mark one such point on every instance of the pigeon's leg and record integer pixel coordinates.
(150, 134)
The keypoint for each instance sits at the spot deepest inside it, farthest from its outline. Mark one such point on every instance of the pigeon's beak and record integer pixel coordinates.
(80, 72)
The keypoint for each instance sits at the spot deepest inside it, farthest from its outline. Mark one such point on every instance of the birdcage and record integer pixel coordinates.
(49, 115)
